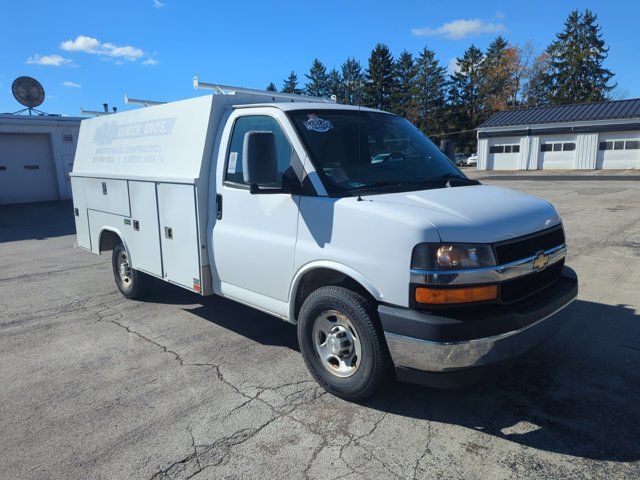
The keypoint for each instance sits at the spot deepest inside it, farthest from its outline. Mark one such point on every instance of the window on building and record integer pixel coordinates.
(507, 148)
(632, 145)
(546, 147)
(496, 149)
(515, 148)
(618, 145)
(568, 147)
(557, 147)
(606, 145)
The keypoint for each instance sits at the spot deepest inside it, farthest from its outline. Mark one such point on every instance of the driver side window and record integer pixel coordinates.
(250, 123)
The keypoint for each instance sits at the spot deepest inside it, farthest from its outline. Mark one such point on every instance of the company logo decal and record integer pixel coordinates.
(317, 124)
(110, 131)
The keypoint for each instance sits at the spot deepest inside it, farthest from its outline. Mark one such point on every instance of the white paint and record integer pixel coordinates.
(56, 128)
(618, 159)
(564, 160)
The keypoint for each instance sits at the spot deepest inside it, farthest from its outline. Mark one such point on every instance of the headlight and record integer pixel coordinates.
(451, 256)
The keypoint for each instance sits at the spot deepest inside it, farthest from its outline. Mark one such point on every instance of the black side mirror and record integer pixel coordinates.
(260, 159)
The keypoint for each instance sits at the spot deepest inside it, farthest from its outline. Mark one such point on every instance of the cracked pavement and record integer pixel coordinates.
(181, 386)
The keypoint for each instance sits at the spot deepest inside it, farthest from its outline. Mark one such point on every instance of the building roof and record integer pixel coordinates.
(580, 112)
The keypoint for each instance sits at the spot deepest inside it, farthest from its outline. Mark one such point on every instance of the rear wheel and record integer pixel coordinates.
(131, 283)
(341, 343)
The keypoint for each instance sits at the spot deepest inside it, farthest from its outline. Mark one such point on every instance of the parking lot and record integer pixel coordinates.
(180, 386)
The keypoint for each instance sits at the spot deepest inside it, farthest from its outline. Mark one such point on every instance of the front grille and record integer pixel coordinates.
(523, 247)
(519, 288)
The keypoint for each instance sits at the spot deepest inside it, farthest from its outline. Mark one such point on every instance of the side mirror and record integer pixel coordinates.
(260, 159)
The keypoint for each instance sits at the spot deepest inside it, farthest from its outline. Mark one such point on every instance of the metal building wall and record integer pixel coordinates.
(56, 127)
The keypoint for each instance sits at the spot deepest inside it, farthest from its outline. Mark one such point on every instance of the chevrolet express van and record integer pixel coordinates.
(345, 221)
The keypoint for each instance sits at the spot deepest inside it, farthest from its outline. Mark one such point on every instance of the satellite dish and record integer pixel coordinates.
(28, 91)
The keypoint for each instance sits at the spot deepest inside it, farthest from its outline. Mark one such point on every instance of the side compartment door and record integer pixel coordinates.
(80, 212)
(144, 240)
(179, 234)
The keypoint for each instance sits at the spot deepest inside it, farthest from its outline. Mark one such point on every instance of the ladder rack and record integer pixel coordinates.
(230, 90)
(144, 103)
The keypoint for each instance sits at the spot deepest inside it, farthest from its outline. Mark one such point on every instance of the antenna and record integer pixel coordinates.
(144, 103)
(29, 92)
(230, 90)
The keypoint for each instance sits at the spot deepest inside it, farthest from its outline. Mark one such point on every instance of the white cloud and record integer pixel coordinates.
(71, 84)
(158, 4)
(150, 61)
(49, 60)
(93, 46)
(452, 66)
(460, 29)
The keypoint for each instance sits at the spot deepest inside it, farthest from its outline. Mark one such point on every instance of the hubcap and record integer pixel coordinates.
(337, 344)
(124, 269)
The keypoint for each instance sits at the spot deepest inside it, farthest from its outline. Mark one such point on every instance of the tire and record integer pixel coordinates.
(335, 325)
(131, 283)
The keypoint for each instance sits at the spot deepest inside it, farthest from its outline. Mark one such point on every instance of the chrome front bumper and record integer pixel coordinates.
(422, 341)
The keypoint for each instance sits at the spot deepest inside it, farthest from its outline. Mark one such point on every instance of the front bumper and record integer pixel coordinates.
(473, 337)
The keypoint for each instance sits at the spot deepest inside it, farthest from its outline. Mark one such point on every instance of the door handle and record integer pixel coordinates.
(168, 233)
(219, 207)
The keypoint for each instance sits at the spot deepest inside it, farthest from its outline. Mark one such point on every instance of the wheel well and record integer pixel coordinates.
(108, 240)
(323, 277)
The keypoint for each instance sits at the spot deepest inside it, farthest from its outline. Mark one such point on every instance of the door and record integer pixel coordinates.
(254, 237)
(27, 172)
(179, 234)
(144, 240)
(557, 152)
(80, 213)
(618, 151)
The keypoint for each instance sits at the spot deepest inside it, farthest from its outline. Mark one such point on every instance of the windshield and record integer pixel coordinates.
(368, 152)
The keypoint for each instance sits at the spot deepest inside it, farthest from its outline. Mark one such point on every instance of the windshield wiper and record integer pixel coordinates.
(452, 180)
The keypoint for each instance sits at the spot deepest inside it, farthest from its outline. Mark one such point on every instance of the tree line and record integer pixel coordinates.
(453, 104)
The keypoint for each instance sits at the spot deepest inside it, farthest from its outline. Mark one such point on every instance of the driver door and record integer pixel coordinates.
(254, 237)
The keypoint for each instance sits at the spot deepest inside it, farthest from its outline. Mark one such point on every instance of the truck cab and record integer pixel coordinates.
(345, 221)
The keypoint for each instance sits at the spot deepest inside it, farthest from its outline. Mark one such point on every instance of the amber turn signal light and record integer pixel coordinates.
(442, 296)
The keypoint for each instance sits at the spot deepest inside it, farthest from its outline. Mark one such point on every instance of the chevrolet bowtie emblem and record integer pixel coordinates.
(541, 261)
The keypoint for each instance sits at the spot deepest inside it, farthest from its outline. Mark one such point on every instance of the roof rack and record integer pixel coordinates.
(144, 103)
(230, 90)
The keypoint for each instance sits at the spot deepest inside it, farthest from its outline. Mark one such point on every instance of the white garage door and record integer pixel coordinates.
(27, 173)
(557, 152)
(504, 154)
(618, 150)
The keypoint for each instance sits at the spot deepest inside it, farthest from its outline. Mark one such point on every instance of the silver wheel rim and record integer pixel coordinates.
(336, 343)
(124, 270)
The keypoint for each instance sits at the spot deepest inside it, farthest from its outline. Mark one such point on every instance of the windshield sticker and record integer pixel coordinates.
(317, 124)
(233, 159)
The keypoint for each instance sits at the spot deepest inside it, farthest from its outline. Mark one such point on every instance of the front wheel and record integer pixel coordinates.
(341, 343)
(131, 283)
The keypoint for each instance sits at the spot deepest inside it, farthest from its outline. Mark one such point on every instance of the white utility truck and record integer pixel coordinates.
(345, 221)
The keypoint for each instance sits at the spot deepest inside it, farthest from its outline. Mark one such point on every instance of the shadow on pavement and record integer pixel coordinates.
(576, 394)
(36, 221)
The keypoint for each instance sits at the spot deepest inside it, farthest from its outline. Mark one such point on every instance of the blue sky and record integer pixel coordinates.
(94, 51)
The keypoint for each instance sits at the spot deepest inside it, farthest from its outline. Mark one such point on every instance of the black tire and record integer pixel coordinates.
(137, 284)
(374, 362)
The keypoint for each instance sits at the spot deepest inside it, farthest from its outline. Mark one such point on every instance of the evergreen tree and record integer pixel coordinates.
(272, 87)
(430, 93)
(577, 56)
(335, 83)
(466, 103)
(290, 84)
(380, 78)
(352, 82)
(318, 84)
(404, 100)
